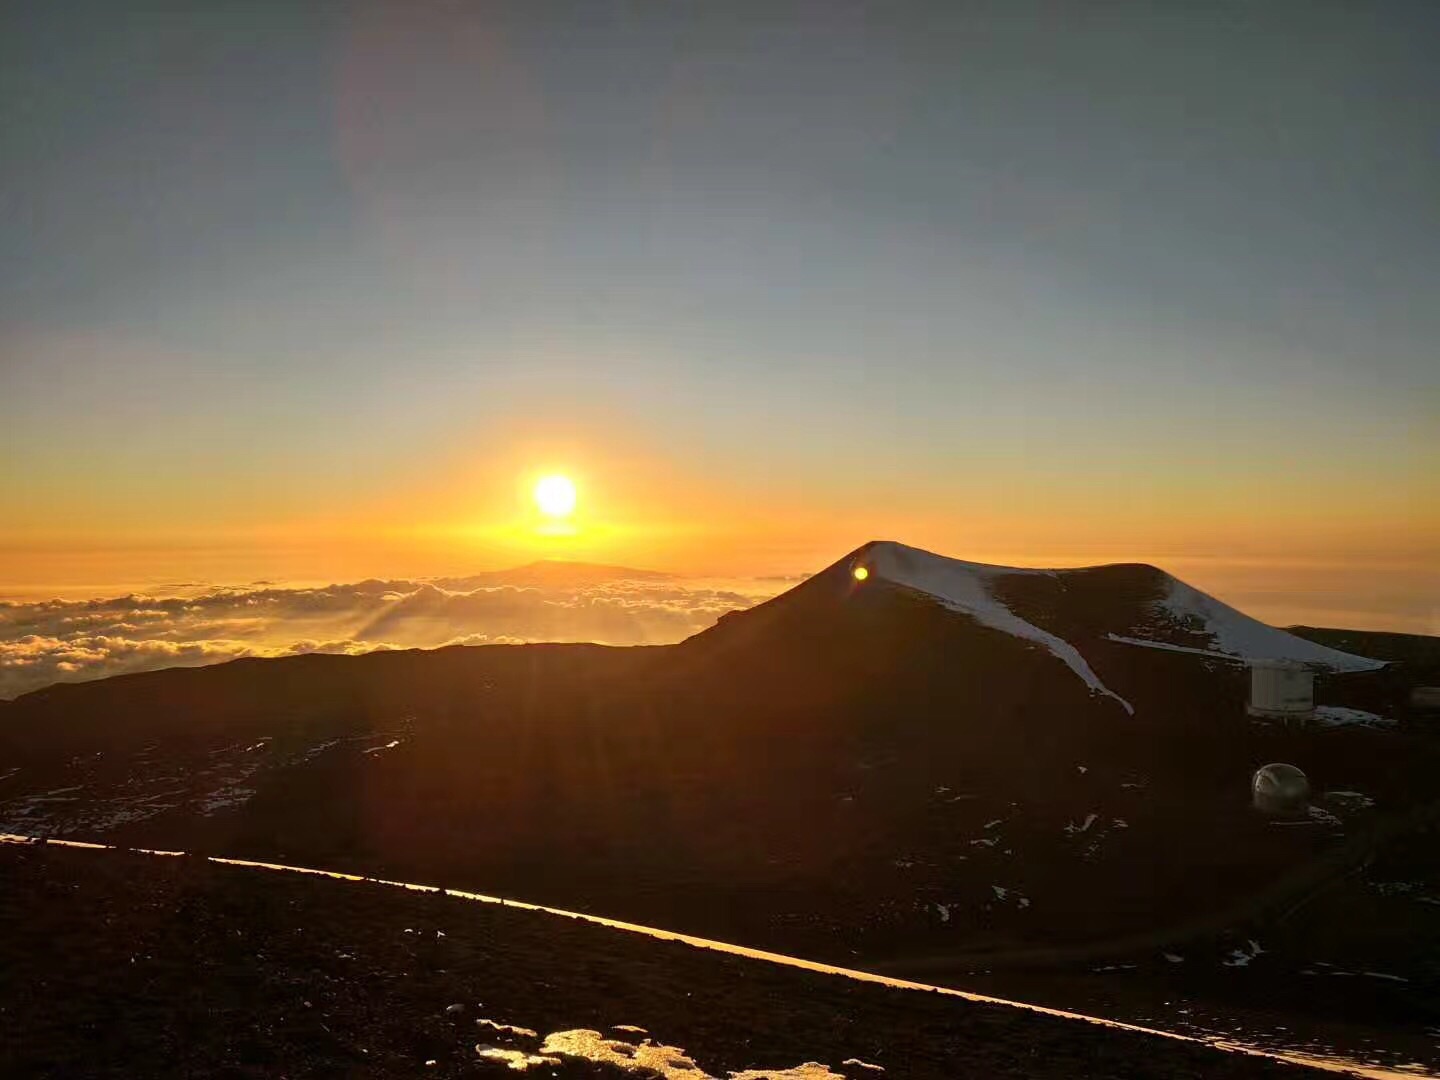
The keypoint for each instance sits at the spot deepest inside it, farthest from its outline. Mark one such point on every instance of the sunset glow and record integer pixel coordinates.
(707, 325)
(436, 437)
(555, 496)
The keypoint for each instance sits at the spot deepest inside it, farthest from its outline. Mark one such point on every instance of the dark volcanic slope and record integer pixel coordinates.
(122, 965)
(1415, 655)
(843, 772)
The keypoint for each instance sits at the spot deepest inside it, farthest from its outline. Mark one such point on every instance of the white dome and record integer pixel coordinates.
(1278, 788)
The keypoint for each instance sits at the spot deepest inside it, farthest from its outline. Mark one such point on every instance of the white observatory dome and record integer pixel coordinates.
(1280, 789)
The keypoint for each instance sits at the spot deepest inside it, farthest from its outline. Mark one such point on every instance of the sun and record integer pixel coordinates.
(555, 496)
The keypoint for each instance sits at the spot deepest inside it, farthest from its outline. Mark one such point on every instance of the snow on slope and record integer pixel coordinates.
(1237, 634)
(964, 587)
(1183, 620)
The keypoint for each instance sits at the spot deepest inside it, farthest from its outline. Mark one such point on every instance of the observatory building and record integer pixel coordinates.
(1280, 789)
(1281, 690)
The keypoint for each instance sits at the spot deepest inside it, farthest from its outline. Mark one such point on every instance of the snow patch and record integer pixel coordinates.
(965, 587)
(508, 1029)
(519, 1060)
(311, 754)
(1350, 800)
(1002, 894)
(1339, 716)
(1146, 643)
(645, 1059)
(1242, 957)
(1237, 634)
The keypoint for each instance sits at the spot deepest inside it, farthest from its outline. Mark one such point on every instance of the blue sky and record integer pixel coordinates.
(258, 257)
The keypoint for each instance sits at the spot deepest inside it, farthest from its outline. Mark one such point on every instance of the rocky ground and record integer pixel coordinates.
(125, 965)
(864, 779)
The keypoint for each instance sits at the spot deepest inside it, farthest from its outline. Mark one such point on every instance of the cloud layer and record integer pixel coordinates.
(68, 641)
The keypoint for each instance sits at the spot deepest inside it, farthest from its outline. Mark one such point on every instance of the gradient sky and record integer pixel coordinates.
(316, 289)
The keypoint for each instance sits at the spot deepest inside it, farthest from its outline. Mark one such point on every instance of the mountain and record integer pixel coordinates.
(1126, 636)
(943, 759)
(551, 573)
(1067, 612)
(1416, 654)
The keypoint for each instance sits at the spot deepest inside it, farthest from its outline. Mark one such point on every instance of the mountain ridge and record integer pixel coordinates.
(1076, 614)
(552, 572)
(1234, 634)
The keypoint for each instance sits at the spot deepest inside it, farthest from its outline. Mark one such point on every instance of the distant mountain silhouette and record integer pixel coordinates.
(552, 573)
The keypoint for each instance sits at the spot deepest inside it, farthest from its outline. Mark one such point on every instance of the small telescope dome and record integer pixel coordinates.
(1280, 789)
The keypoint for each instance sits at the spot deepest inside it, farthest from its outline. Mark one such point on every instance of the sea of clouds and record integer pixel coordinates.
(72, 640)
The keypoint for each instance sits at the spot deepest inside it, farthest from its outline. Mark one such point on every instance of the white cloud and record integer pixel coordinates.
(55, 640)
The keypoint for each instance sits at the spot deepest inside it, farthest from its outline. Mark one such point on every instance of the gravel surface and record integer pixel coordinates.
(123, 965)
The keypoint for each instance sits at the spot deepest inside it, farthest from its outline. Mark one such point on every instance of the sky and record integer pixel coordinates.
(315, 292)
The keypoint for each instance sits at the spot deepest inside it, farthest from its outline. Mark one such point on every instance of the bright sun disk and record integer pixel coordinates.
(555, 496)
